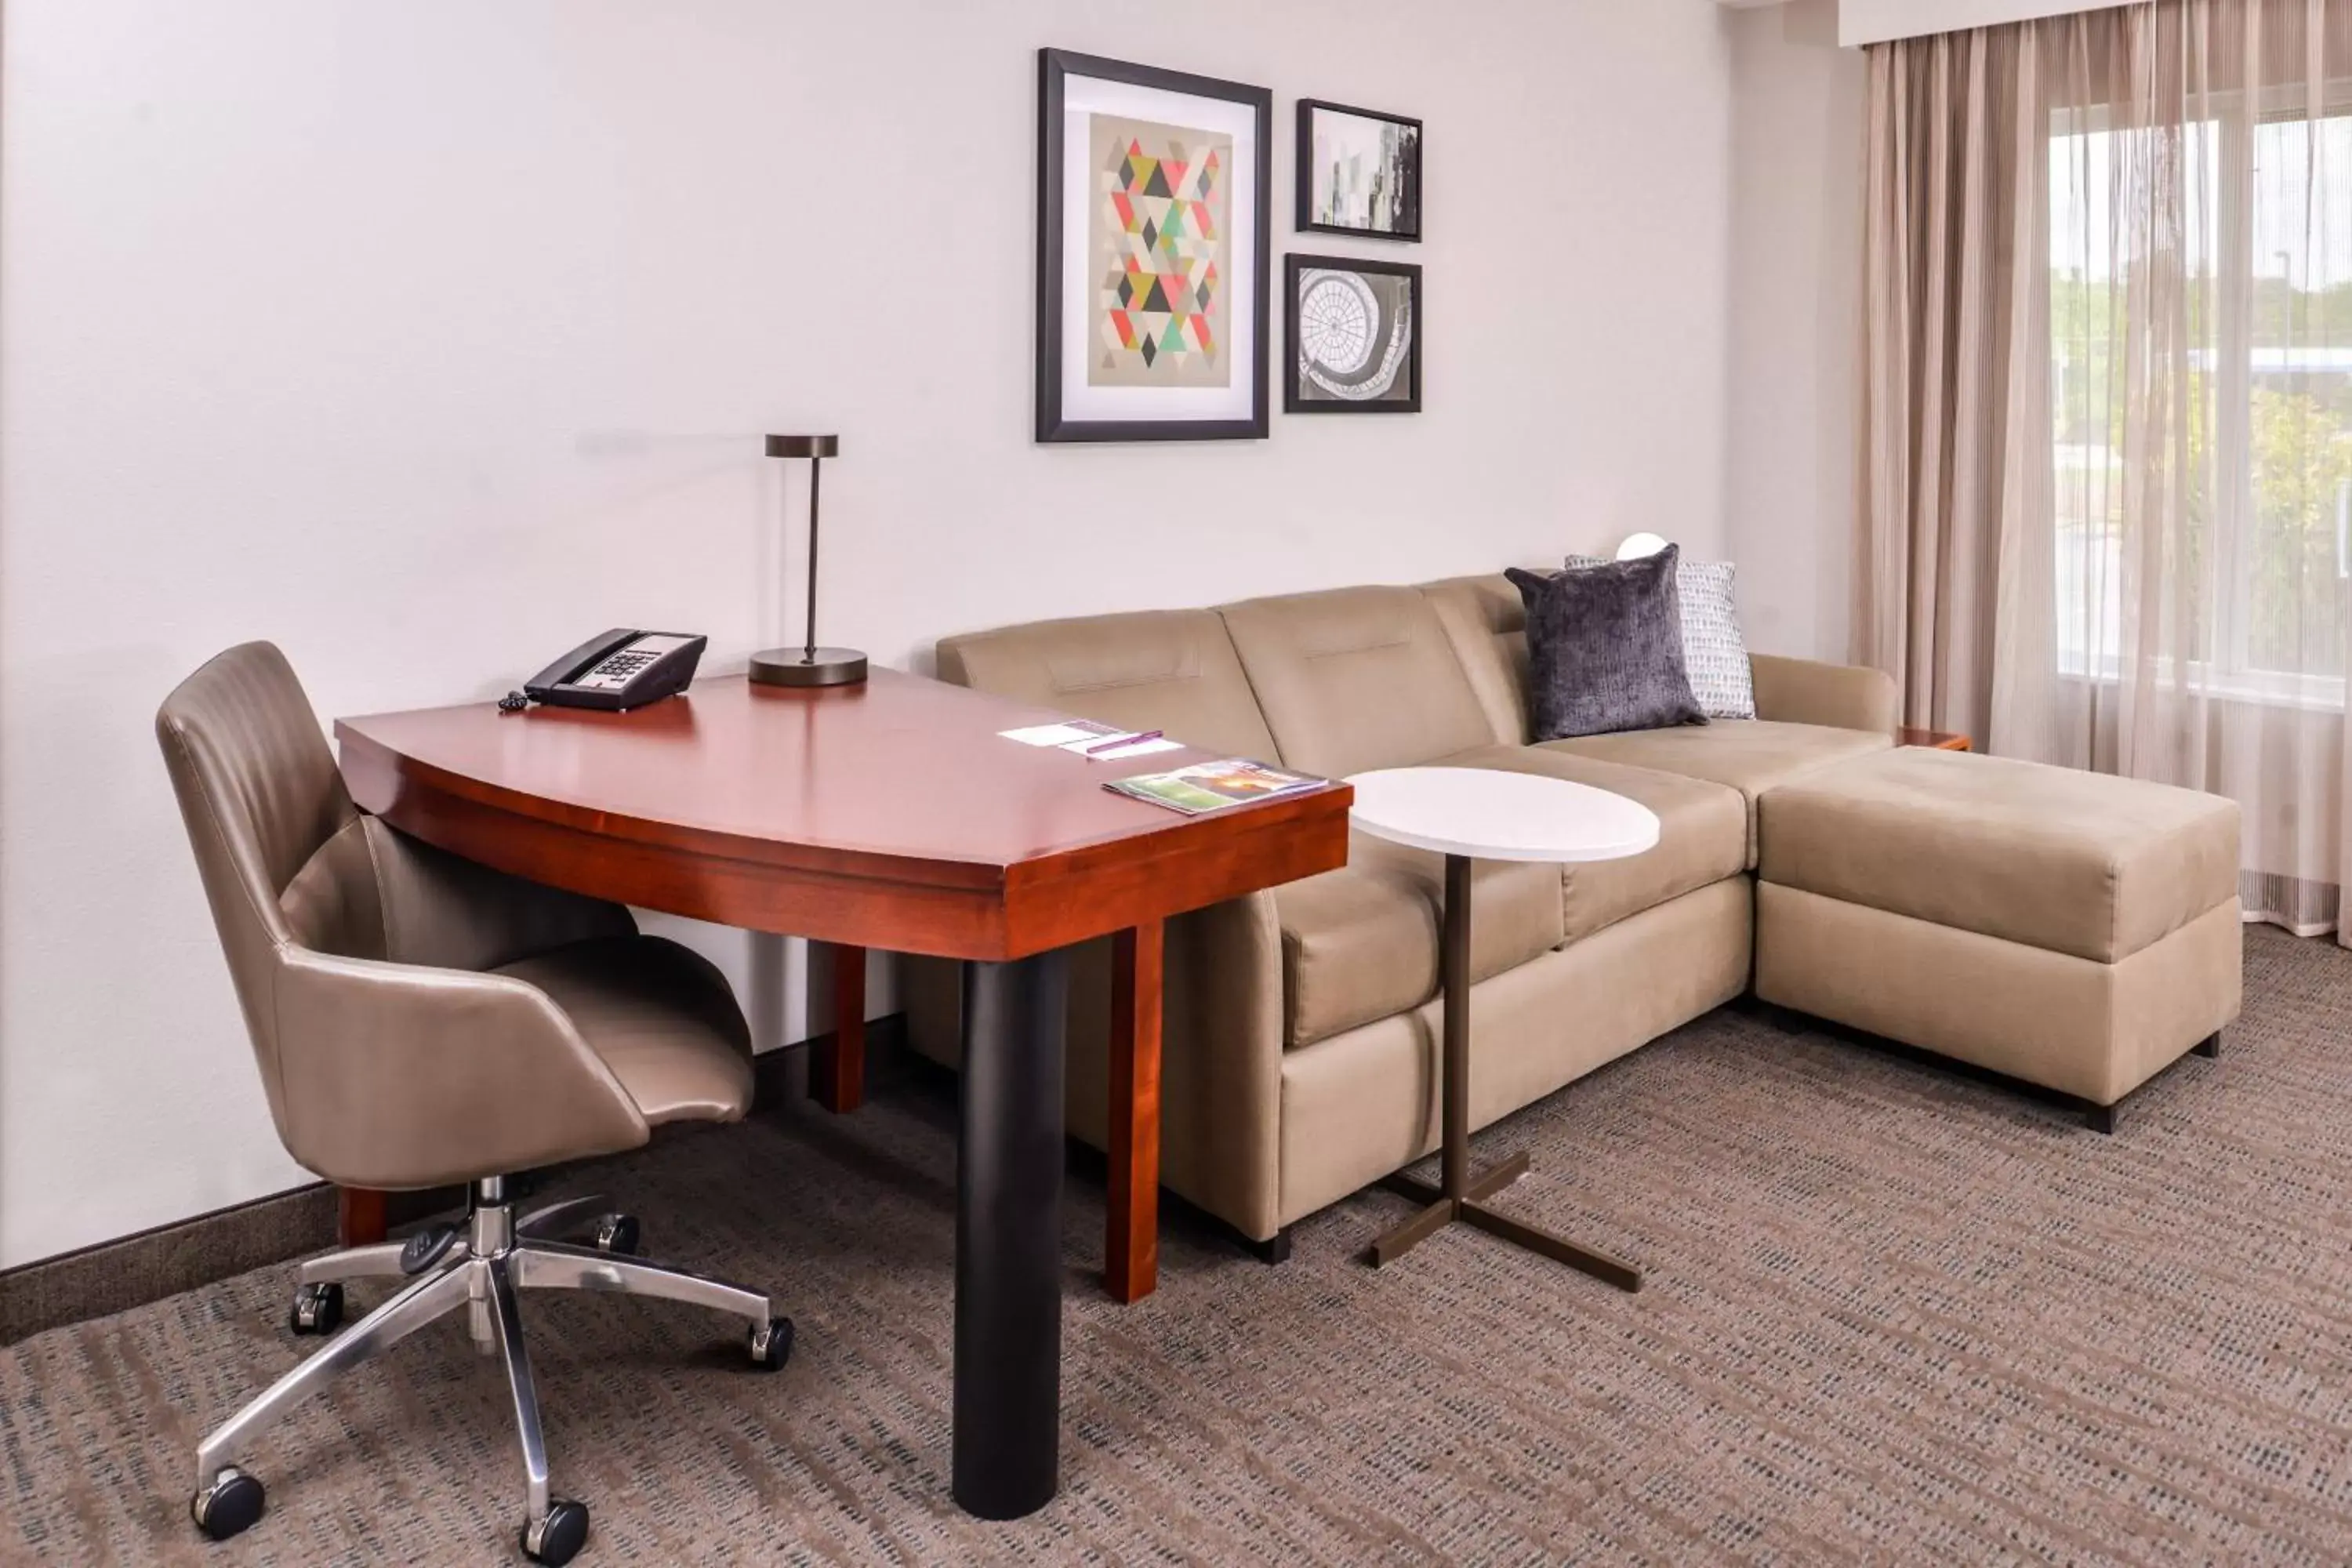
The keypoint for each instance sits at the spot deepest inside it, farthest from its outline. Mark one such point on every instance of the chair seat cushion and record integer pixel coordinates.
(1701, 834)
(1751, 755)
(1359, 944)
(662, 1017)
(2080, 863)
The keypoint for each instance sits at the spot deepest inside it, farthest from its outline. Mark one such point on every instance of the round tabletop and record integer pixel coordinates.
(1494, 815)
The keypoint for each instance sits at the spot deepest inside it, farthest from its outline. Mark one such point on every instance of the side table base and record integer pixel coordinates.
(1470, 1209)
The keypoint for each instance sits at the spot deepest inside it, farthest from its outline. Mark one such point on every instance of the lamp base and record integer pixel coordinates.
(802, 667)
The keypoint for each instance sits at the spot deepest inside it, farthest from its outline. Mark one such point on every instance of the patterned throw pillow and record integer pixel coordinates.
(1714, 653)
(1605, 651)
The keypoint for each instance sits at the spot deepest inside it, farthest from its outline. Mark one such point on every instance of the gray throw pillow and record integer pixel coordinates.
(1605, 649)
(1715, 656)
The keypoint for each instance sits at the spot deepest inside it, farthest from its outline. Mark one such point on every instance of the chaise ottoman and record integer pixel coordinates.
(2072, 930)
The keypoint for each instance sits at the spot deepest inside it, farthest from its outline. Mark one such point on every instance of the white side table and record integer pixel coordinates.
(1468, 814)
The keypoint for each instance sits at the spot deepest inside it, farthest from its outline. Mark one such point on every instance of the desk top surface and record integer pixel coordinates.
(901, 779)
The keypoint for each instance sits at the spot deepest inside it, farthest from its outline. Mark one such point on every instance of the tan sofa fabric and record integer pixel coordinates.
(1486, 622)
(1158, 669)
(1359, 1105)
(2086, 1029)
(1841, 696)
(1356, 679)
(2078, 863)
(1702, 835)
(1751, 755)
(1361, 943)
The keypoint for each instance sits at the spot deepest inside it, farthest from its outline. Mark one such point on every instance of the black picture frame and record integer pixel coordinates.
(1295, 265)
(1054, 67)
(1303, 170)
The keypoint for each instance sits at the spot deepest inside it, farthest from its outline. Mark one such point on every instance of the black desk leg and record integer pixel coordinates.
(1008, 1303)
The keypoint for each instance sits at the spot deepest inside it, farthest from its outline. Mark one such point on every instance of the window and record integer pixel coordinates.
(2235, 475)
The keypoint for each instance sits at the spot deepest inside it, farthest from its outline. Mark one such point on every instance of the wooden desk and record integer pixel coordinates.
(1934, 740)
(888, 815)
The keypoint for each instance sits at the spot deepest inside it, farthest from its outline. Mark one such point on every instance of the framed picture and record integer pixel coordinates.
(1358, 171)
(1153, 218)
(1354, 330)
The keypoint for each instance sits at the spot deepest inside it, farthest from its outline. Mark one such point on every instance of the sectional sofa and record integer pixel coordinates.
(1300, 1025)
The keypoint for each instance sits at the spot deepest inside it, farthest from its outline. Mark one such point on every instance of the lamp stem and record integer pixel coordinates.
(816, 465)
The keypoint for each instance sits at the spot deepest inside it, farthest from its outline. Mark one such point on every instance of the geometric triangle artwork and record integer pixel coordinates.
(1155, 233)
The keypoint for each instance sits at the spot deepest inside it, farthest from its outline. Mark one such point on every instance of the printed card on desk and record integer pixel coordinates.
(1069, 734)
(1212, 786)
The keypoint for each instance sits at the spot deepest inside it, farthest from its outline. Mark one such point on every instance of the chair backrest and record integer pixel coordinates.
(279, 843)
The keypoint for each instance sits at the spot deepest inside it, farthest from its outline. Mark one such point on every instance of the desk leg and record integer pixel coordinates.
(1008, 1303)
(360, 1219)
(1131, 1242)
(837, 1068)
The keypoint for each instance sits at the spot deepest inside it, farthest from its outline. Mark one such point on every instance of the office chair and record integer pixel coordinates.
(421, 1021)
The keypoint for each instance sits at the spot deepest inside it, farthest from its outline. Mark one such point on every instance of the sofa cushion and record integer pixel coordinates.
(1606, 648)
(1361, 943)
(1356, 679)
(1701, 834)
(1486, 622)
(1159, 669)
(2080, 863)
(1715, 653)
(1749, 755)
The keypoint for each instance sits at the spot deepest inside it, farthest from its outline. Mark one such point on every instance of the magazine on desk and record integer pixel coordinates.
(1212, 786)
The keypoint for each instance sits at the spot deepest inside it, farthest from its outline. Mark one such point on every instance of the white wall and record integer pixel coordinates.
(425, 338)
(1796, 325)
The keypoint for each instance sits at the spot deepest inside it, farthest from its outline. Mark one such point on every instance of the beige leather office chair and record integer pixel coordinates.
(423, 1021)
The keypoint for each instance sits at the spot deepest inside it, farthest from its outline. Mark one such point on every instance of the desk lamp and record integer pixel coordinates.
(809, 665)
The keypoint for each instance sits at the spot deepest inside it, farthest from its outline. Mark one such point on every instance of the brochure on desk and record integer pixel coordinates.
(1213, 786)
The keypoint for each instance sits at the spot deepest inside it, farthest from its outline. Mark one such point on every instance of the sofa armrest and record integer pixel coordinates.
(1805, 691)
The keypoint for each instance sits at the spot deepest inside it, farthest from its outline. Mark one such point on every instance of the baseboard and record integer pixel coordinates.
(132, 1270)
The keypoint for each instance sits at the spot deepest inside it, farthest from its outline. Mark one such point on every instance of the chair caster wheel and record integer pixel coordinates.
(228, 1507)
(617, 1234)
(557, 1539)
(317, 1309)
(772, 1346)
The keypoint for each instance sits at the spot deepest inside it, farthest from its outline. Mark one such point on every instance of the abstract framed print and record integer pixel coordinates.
(1353, 328)
(1358, 171)
(1153, 225)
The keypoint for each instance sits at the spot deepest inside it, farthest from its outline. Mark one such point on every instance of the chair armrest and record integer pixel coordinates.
(1842, 696)
(397, 1077)
(444, 911)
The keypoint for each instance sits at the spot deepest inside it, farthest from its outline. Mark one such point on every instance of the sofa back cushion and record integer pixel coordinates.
(1357, 678)
(1156, 670)
(1487, 621)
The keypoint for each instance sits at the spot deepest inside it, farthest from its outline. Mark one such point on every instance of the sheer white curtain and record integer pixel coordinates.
(2167, 505)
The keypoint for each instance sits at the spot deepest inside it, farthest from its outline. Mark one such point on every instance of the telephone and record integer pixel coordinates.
(622, 668)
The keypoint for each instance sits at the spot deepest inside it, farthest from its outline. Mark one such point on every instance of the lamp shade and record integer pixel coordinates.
(1640, 544)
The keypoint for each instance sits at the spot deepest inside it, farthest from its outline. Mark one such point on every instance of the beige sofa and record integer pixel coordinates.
(1300, 1025)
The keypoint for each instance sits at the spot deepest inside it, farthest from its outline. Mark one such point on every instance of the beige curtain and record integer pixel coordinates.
(2109, 405)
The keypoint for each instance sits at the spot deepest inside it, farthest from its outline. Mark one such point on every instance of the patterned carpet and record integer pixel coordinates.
(1893, 1314)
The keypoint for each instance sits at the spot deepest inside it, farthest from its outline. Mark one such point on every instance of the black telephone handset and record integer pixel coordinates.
(620, 670)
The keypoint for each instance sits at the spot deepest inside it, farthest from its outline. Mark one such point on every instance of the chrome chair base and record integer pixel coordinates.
(482, 1271)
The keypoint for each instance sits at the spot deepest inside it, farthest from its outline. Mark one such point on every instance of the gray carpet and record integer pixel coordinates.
(1893, 1314)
